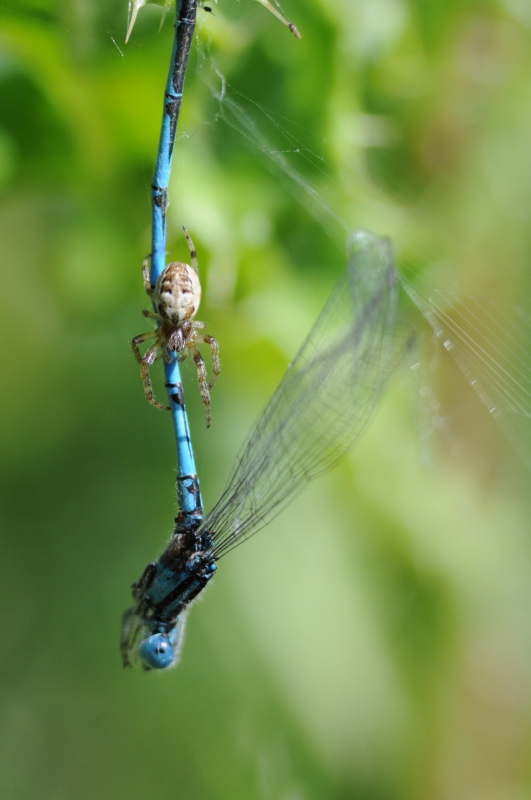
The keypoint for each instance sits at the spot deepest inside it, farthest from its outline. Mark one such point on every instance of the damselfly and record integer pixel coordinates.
(320, 407)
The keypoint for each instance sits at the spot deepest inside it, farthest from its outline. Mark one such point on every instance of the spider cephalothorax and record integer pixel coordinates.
(176, 297)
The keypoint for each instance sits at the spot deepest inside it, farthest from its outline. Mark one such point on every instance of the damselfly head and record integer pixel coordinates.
(157, 652)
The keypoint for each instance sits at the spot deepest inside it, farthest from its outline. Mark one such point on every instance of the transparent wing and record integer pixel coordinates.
(324, 400)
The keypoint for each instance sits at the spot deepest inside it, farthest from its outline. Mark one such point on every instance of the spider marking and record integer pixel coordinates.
(176, 297)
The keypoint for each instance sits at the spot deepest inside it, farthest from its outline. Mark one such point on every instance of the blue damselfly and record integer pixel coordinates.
(320, 407)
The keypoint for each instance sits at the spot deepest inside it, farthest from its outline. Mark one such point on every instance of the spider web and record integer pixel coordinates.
(276, 141)
(489, 342)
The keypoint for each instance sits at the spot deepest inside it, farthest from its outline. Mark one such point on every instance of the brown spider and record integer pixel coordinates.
(176, 297)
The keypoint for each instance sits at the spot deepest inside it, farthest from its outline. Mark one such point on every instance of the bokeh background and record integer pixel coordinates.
(375, 641)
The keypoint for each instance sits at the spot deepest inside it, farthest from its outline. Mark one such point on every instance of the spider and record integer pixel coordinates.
(176, 297)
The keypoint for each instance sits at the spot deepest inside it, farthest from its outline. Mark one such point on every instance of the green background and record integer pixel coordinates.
(375, 641)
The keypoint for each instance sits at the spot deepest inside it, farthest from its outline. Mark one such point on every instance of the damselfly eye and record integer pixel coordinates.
(156, 652)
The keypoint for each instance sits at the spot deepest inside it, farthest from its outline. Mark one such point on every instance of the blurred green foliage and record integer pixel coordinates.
(374, 641)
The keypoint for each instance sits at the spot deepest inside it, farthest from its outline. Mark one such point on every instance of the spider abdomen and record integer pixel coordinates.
(177, 294)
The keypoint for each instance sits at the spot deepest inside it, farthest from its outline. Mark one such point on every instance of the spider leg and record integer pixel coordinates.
(144, 337)
(203, 385)
(149, 358)
(150, 314)
(182, 356)
(193, 253)
(199, 325)
(214, 347)
(145, 273)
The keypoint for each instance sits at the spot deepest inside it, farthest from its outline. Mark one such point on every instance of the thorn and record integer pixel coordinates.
(279, 16)
(134, 7)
